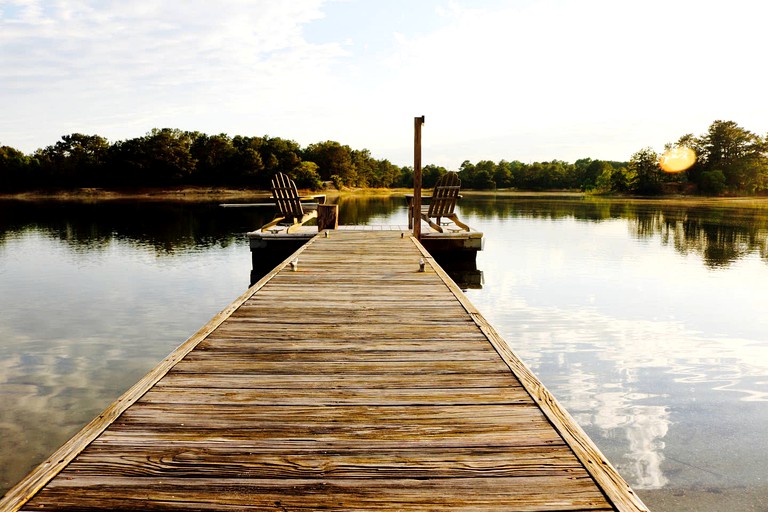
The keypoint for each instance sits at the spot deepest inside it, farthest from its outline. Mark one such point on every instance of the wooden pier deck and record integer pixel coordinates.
(354, 382)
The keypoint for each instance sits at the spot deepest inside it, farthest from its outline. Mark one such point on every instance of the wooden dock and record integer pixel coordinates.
(350, 381)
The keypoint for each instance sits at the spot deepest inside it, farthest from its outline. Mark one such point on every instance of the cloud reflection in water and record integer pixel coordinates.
(636, 340)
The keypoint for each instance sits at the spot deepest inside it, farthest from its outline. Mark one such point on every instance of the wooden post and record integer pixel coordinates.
(327, 216)
(417, 122)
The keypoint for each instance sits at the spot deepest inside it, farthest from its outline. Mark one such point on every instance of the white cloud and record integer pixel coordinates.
(118, 66)
(532, 80)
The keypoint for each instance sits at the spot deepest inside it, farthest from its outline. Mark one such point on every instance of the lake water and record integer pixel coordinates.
(645, 319)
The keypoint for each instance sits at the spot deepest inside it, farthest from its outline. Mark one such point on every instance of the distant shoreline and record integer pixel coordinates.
(214, 194)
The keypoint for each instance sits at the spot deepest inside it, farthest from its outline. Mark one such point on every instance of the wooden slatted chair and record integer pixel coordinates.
(443, 202)
(290, 210)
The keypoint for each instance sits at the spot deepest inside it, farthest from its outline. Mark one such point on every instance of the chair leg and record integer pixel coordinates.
(272, 223)
(456, 221)
(297, 223)
(293, 228)
(434, 226)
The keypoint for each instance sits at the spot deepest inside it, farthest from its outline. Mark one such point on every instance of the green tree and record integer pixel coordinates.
(485, 170)
(160, 158)
(168, 156)
(76, 160)
(365, 168)
(430, 174)
(712, 182)
(387, 174)
(603, 170)
(467, 174)
(644, 166)
(306, 176)
(406, 177)
(738, 153)
(621, 179)
(603, 183)
(215, 160)
(332, 159)
(128, 163)
(247, 161)
(586, 173)
(517, 172)
(279, 155)
(14, 170)
(503, 175)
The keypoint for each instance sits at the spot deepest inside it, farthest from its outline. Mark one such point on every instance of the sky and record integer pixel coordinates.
(528, 80)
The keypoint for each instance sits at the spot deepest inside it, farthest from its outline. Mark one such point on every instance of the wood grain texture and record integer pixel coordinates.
(483, 494)
(353, 383)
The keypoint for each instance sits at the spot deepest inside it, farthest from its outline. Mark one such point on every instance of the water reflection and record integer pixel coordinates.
(719, 233)
(79, 326)
(166, 227)
(658, 354)
(634, 386)
(646, 320)
(365, 210)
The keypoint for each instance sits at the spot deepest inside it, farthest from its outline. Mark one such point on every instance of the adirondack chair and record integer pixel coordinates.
(443, 202)
(290, 210)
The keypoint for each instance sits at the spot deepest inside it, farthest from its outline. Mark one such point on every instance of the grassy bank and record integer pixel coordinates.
(226, 195)
(195, 194)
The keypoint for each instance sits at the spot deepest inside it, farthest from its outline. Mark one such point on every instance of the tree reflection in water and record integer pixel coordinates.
(719, 231)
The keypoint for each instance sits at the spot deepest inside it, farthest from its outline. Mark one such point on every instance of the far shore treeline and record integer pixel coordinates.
(730, 160)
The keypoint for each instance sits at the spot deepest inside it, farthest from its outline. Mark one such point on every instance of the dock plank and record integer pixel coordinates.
(477, 494)
(354, 382)
(206, 461)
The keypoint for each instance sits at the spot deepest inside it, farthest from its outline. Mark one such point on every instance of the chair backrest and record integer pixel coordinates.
(445, 195)
(286, 196)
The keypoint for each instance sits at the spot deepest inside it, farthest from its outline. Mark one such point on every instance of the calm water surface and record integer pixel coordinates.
(646, 320)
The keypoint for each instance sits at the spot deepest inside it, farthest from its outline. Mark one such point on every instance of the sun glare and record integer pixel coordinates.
(677, 159)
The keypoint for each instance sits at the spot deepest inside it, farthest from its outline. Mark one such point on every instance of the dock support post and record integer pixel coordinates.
(418, 122)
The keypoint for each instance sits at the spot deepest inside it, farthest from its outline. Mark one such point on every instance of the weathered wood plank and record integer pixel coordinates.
(351, 333)
(288, 344)
(483, 494)
(335, 396)
(224, 416)
(317, 381)
(182, 460)
(413, 368)
(339, 356)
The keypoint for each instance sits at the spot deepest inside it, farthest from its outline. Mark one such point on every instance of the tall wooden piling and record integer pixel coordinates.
(417, 123)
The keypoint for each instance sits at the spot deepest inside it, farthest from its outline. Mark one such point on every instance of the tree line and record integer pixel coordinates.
(171, 157)
(729, 159)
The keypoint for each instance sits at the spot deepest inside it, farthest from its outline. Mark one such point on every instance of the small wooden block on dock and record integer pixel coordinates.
(327, 216)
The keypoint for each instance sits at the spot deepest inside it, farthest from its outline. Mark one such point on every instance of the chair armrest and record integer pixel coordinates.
(320, 198)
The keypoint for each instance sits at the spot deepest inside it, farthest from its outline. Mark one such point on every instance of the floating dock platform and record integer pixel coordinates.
(454, 250)
(350, 377)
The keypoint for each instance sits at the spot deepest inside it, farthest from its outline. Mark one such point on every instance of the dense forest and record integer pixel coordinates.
(729, 159)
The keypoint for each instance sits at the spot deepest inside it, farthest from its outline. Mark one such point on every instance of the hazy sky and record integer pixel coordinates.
(528, 80)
